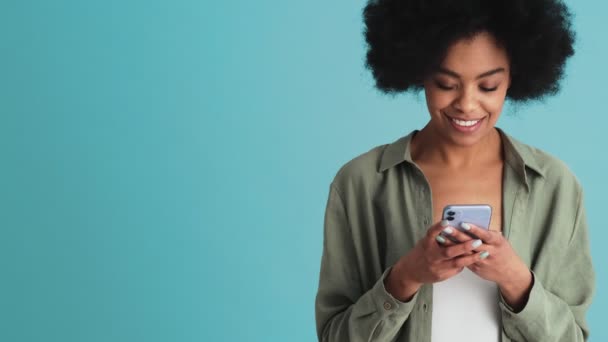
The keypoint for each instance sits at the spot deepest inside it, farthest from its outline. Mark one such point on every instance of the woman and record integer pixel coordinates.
(391, 269)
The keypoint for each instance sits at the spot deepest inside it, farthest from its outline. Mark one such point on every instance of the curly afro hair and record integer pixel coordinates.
(408, 39)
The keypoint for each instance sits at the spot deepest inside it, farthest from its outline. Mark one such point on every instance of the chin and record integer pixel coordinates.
(468, 139)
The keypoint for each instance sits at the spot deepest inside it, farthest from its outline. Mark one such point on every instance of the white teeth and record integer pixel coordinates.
(465, 123)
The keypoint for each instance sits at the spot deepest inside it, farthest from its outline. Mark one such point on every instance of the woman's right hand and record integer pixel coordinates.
(432, 260)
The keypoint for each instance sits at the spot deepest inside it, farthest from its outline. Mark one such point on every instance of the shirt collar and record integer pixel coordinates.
(517, 155)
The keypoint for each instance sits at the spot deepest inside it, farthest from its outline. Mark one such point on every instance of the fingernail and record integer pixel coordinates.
(465, 226)
(440, 239)
(448, 230)
(476, 243)
(484, 254)
(445, 223)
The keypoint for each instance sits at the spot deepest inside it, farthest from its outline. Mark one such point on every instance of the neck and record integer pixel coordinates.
(432, 148)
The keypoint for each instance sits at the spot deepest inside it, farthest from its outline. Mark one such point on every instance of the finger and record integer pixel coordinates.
(450, 236)
(459, 236)
(446, 239)
(430, 240)
(442, 239)
(435, 229)
(461, 249)
(467, 260)
(475, 267)
(487, 236)
(447, 236)
(484, 255)
(478, 265)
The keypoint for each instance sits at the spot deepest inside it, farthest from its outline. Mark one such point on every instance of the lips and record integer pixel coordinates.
(465, 125)
(463, 119)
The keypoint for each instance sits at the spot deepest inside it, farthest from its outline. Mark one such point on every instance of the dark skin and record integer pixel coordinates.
(431, 261)
(465, 98)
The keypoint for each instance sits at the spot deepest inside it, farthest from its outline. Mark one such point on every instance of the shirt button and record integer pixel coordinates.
(426, 221)
(387, 306)
(424, 307)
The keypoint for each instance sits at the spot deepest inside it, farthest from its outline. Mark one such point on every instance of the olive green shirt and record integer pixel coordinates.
(380, 205)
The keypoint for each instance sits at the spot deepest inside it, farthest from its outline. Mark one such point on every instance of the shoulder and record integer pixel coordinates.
(553, 170)
(360, 171)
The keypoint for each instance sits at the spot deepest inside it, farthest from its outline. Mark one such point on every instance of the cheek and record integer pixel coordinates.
(437, 101)
(494, 105)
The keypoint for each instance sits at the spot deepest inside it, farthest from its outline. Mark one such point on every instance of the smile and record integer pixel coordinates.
(465, 126)
(465, 123)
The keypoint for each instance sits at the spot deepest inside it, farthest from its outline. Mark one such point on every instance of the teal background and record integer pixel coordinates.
(165, 165)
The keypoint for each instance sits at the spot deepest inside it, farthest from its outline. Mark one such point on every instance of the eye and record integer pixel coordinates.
(443, 86)
(487, 90)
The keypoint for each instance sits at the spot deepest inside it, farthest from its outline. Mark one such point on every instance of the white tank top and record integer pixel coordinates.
(465, 308)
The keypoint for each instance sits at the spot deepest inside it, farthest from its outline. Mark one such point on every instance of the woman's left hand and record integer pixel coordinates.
(502, 266)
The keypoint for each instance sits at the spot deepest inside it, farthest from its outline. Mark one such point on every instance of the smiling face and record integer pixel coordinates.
(466, 94)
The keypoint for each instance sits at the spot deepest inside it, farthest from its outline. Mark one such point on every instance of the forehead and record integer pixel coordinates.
(475, 55)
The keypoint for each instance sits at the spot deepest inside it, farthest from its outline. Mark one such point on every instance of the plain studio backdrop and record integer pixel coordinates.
(165, 164)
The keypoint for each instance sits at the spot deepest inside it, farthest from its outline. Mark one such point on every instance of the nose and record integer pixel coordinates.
(466, 102)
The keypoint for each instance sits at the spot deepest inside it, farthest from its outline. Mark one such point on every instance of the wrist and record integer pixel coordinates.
(399, 285)
(516, 290)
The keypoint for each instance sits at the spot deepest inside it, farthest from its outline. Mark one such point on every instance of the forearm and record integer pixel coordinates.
(561, 293)
(375, 316)
(344, 309)
(544, 317)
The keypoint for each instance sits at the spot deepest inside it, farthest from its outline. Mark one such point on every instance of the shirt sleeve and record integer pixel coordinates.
(556, 311)
(345, 311)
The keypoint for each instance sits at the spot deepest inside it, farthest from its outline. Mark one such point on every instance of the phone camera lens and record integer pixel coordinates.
(451, 213)
(450, 218)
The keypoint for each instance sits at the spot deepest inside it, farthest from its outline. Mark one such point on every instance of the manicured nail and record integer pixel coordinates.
(440, 239)
(445, 223)
(476, 243)
(465, 226)
(448, 230)
(484, 254)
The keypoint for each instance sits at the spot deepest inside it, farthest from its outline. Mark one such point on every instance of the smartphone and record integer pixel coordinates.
(477, 214)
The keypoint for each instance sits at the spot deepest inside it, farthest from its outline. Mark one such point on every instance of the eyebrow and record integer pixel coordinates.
(485, 74)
